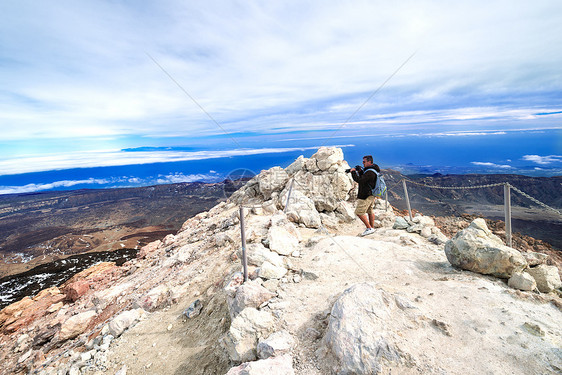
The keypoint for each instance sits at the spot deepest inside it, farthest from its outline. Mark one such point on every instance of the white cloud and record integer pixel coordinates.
(491, 165)
(178, 177)
(119, 158)
(82, 70)
(29, 188)
(543, 160)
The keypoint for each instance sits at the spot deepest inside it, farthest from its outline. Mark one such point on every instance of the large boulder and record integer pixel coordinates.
(92, 278)
(547, 277)
(477, 249)
(296, 166)
(242, 338)
(22, 313)
(356, 330)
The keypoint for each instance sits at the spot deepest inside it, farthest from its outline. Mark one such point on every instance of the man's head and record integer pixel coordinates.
(367, 160)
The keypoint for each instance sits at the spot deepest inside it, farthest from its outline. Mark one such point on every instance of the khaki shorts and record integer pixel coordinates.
(365, 206)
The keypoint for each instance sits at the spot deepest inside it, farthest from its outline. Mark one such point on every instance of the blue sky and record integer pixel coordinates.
(82, 81)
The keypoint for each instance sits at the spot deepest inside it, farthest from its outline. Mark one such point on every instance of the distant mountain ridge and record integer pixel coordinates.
(42, 227)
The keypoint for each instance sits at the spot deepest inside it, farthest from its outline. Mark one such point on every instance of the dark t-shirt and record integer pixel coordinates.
(366, 181)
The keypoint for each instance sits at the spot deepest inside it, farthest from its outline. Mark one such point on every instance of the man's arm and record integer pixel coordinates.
(356, 174)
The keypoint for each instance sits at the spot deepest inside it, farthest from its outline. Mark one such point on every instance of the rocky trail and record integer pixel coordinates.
(321, 299)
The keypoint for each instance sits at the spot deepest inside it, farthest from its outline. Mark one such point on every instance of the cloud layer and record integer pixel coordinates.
(81, 76)
(119, 157)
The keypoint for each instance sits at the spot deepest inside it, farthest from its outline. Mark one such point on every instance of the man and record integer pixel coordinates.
(367, 179)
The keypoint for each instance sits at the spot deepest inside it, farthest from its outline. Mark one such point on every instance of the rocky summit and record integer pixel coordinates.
(319, 299)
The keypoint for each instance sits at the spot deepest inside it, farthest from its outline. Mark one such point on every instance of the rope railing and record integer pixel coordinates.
(455, 187)
(535, 200)
(507, 199)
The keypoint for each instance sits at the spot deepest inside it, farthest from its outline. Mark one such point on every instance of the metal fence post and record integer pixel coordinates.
(243, 235)
(386, 198)
(507, 207)
(407, 199)
(289, 195)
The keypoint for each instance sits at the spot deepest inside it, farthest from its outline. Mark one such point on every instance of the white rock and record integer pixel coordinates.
(76, 324)
(534, 259)
(345, 212)
(297, 165)
(257, 254)
(283, 240)
(270, 271)
(326, 157)
(242, 338)
(477, 249)
(299, 208)
(269, 207)
(272, 180)
(547, 277)
(124, 321)
(425, 221)
(276, 344)
(249, 294)
(329, 220)
(522, 281)
(356, 333)
(426, 232)
(282, 365)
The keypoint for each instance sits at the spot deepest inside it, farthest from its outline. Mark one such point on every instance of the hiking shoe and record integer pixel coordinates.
(367, 232)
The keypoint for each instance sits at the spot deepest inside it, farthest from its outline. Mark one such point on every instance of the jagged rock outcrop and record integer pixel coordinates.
(477, 249)
(317, 185)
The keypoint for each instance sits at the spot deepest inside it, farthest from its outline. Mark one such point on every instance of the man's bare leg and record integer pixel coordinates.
(366, 220)
(372, 220)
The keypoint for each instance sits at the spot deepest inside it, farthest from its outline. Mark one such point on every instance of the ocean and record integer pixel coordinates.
(532, 153)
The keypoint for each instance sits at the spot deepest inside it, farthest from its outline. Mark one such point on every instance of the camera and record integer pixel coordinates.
(358, 168)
